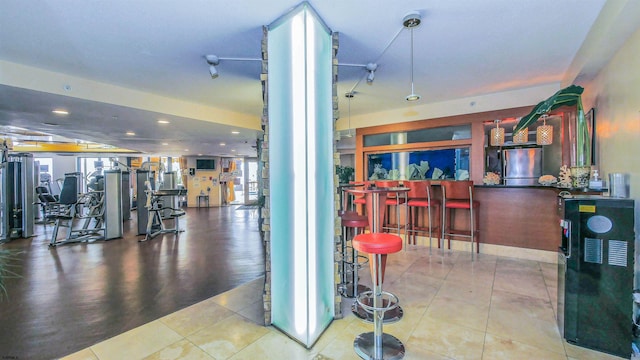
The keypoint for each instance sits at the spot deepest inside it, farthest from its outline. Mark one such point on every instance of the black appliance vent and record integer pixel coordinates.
(593, 250)
(618, 253)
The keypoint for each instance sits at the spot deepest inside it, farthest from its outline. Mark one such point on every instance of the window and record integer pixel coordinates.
(443, 133)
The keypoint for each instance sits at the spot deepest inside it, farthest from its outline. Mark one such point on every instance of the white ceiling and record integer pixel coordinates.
(462, 49)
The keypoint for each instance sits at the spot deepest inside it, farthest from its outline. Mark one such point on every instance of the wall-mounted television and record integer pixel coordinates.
(205, 164)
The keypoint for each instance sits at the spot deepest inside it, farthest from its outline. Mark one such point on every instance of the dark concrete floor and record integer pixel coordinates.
(75, 295)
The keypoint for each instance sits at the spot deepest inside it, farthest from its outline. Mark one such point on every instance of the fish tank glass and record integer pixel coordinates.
(444, 133)
(420, 165)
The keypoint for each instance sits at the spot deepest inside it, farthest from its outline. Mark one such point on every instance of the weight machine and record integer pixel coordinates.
(17, 210)
(90, 216)
(158, 211)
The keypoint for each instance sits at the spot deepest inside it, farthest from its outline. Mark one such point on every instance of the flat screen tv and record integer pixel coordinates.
(205, 164)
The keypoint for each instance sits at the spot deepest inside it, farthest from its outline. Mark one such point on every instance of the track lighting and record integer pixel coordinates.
(371, 68)
(410, 21)
(213, 61)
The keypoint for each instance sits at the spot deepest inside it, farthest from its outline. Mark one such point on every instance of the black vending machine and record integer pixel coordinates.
(595, 273)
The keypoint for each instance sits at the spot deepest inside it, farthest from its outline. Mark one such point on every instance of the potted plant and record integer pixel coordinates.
(345, 174)
(569, 96)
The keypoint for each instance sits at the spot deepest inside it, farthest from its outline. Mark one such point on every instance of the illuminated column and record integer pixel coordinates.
(301, 174)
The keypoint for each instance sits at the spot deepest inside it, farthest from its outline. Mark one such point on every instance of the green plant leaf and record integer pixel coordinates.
(571, 95)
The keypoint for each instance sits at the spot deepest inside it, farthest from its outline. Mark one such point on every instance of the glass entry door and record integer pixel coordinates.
(251, 181)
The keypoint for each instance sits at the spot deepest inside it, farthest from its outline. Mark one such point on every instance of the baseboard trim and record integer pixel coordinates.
(498, 250)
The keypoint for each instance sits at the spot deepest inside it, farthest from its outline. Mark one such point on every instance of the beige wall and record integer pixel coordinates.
(199, 183)
(615, 95)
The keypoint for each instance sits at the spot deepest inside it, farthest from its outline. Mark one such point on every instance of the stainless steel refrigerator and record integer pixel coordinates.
(522, 166)
(595, 273)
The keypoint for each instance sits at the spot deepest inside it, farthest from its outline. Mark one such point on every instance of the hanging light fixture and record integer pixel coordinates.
(411, 21)
(497, 135)
(522, 136)
(544, 133)
(349, 96)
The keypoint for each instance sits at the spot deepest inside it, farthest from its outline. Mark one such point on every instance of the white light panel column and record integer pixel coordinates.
(301, 174)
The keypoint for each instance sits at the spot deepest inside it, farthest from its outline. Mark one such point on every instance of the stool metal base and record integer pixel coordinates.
(348, 290)
(392, 348)
(390, 316)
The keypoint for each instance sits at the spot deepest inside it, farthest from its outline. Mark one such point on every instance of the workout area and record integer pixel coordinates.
(105, 244)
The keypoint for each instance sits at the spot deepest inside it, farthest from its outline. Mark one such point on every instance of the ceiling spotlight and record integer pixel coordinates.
(60, 112)
(411, 21)
(371, 68)
(213, 61)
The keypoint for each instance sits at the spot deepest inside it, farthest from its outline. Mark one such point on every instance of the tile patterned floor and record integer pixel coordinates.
(493, 308)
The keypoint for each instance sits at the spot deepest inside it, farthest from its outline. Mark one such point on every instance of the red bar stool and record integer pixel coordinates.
(352, 225)
(419, 197)
(393, 199)
(375, 199)
(378, 345)
(459, 195)
(360, 200)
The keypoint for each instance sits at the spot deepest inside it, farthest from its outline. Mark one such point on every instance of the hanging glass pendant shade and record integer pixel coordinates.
(522, 136)
(544, 133)
(497, 135)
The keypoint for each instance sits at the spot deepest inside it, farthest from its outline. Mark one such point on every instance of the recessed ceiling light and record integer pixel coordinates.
(165, 144)
(186, 149)
(223, 144)
(235, 132)
(130, 133)
(199, 154)
(163, 121)
(60, 112)
(233, 150)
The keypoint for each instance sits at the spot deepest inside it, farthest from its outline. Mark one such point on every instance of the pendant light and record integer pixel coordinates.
(411, 21)
(544, 133)
(497, 135)
(349, 96)
(522, 136)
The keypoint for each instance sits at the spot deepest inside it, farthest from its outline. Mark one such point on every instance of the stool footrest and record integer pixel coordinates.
(392, 301)
(361, 262)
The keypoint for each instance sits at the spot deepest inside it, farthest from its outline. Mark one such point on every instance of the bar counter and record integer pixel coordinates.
(519, 216)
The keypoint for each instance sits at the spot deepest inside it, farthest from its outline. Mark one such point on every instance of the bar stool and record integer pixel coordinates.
(352, 224)
(378, 345)
(419, 197)
(360, 200)
(459, 195)
(393, 199)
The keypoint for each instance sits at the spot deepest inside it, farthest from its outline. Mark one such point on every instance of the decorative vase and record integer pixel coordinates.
(580, 176)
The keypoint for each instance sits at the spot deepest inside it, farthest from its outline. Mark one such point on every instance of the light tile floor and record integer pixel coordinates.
(492, 308)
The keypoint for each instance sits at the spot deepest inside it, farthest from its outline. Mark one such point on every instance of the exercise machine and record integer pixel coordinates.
(91, 216)
(156, 206)
(17, 190)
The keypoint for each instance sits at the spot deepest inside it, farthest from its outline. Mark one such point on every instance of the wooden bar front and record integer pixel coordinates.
(524, 217)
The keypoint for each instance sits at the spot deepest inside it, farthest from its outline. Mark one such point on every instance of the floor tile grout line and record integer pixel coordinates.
(486, 326)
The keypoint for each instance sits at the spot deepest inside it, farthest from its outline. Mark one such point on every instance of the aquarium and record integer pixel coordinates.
(419, 165)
